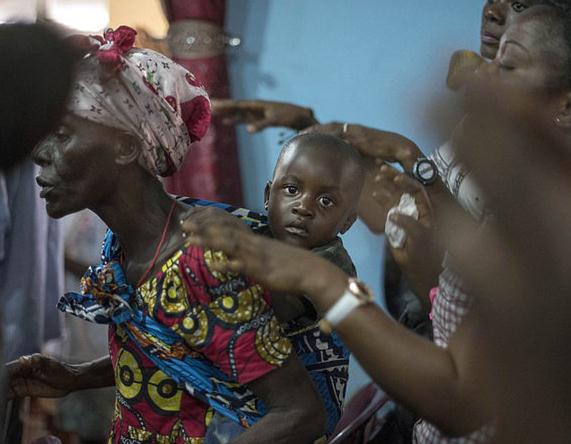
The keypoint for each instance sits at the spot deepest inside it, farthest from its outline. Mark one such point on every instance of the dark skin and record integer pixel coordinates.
(311, 199)
(134, 205)
(496, 16)
(412, 370)
(379, 146)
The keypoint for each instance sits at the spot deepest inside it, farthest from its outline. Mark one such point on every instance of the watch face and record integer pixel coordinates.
(425, 171)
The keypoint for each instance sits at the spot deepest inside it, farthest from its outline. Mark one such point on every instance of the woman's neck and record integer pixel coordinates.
(137, 213)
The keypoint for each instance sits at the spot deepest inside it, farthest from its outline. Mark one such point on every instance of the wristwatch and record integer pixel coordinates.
(425, 171)
(356, 294)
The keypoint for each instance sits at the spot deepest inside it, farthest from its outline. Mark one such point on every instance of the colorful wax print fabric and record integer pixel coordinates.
(183, 344)
(325, 357)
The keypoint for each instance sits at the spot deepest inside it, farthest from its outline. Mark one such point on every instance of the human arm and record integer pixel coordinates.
(45, 377)
(421, 256)
(434, 382)
(261, 114)
(294, 408)
(373, 143)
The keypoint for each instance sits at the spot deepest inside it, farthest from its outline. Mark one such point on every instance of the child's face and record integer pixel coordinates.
(312, 198)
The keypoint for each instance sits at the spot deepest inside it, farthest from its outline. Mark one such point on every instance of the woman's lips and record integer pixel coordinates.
(46, 187)
(45, 192)
(489, 39)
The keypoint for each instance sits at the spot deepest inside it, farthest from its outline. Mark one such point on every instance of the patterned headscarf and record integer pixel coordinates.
(143, 93)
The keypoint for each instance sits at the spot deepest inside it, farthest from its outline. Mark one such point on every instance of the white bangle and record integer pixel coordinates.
(342, 308)
(355, 295)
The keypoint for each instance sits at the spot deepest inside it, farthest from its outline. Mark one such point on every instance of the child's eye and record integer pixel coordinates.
(291, 189)
(326, 202)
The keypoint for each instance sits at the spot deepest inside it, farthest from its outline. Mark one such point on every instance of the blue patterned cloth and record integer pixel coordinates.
(107, 298)
(325, 357)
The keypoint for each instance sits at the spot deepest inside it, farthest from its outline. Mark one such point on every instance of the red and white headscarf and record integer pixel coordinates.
(143, 93)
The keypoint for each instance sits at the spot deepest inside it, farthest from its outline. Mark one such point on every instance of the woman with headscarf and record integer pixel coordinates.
(184, 340)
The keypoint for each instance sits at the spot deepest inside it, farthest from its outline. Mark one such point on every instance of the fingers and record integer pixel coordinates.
(260, 125)
(199, 218)
(409, 185)
(333, 128)
(412, 227)
(223, 238)
(230, 266)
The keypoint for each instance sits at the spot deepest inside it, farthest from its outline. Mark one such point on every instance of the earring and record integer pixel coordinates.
(557, 120)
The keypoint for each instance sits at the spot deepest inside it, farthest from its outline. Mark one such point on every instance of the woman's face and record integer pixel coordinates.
(78, 165)
(528, 59)
(496, 16)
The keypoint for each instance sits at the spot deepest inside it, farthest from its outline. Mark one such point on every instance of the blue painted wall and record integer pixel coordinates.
(381, 63)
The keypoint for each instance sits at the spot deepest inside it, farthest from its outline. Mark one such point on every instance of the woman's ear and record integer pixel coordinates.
(267, 194)
(563, 117)
(127, 149)
(348, 223)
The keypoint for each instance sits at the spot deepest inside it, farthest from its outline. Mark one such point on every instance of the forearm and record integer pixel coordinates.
(94, 374)
(282, 427)
(295, 412)
(412, 370)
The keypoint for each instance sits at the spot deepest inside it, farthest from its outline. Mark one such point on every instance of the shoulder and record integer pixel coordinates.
(336, 253)
(251, 218)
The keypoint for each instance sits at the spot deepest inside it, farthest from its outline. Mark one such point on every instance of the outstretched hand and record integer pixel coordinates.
(373, 143)
(275, 265)
(40, 376)
(261, 114)
(421, 256)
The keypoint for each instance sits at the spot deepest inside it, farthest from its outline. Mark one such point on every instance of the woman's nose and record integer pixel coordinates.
(496, 12)
(42, 153)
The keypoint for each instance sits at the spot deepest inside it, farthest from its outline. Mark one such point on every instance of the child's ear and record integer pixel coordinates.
(348, 223)
(267, 194)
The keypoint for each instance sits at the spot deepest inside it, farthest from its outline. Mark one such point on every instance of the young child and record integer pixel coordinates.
(311, 199)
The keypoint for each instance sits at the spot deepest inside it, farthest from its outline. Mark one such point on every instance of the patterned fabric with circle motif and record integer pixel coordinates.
(183, 344)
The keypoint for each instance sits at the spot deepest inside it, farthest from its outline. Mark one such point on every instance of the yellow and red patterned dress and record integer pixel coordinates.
(221, 321)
